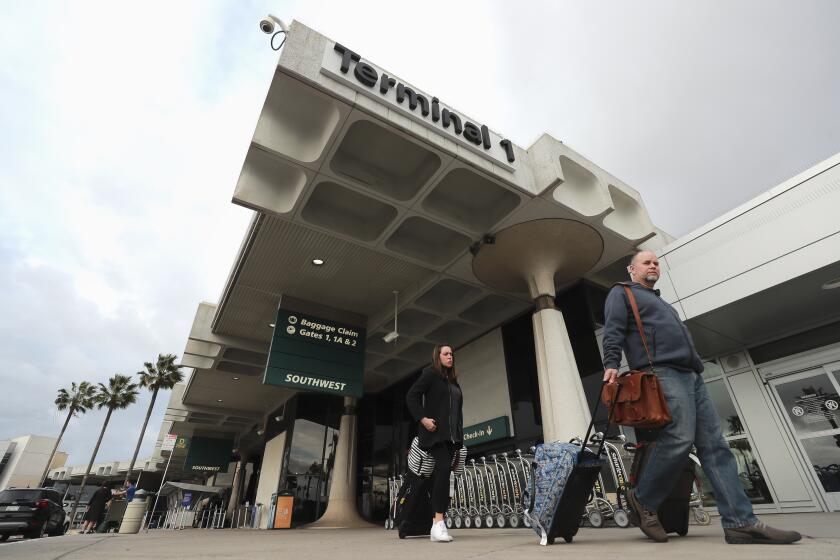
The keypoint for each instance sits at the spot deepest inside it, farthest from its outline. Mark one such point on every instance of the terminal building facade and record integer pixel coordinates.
(373, 198)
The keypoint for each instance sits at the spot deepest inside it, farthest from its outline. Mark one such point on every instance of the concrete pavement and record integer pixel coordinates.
(706, 543)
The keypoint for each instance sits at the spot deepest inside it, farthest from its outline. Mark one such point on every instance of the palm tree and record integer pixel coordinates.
(162, 375)
(119, 393)
(76, 401)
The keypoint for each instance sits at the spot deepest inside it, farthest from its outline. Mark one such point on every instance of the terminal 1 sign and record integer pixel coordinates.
(310, 353)
(426, 109)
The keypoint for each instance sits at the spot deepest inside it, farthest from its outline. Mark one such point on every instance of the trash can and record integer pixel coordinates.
(285, 501)
(133, 517)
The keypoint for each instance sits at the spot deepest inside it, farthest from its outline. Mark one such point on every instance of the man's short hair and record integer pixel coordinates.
(633, 256)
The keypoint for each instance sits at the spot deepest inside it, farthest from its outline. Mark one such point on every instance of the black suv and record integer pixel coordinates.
(31, 512)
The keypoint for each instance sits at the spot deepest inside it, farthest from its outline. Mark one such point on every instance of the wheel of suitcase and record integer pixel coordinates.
(458, 522)
(448, 522)
(682, 533)
(621, 518)
(568, 538)
(387, 524)
(702, 517)
(500, 520)
(489, 521)
(513, 520)
(468, 522)
(596, 519)
(526, 521)
(477, 522)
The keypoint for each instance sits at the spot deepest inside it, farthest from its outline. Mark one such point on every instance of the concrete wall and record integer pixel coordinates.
(779, 235)
(483, 379)
(27, 462)
(272, 465)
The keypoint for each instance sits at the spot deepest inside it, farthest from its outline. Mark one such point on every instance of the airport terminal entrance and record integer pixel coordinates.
(810, 402)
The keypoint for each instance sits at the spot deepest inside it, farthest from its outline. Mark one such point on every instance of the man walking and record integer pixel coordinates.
(694, 418)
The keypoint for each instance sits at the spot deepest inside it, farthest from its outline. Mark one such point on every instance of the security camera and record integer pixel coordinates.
(268, 23)
(391, 336)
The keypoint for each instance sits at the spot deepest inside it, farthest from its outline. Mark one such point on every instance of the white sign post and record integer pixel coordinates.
(167, 445)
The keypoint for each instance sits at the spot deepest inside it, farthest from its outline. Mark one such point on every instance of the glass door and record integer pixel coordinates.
(810, 402)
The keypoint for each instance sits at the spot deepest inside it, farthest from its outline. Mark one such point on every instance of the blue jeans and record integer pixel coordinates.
(695, 421)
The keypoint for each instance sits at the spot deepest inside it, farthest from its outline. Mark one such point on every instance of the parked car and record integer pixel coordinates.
(31, 512)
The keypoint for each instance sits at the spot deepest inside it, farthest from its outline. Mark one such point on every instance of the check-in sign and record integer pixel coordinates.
(490, 430)
(310, 353)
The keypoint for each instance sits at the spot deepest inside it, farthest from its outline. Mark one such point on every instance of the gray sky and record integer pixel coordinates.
(123, 128)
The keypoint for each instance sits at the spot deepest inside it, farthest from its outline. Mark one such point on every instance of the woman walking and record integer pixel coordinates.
(436, 402)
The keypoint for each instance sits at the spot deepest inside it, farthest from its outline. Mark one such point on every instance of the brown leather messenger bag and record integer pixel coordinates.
(640, 403)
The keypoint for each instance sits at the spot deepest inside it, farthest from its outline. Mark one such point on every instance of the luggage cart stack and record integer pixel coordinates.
(488, 493)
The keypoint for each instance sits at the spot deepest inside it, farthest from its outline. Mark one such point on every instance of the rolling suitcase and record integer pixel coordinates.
(674, 511)
(563, 477)
(413, 517)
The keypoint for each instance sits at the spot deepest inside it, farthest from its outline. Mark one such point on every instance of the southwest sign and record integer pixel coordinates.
(310, 353)
(208, 455)
(497, 428)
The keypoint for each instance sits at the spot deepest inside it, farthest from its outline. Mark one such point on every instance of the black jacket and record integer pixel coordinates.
(429, 397)
(668, 338)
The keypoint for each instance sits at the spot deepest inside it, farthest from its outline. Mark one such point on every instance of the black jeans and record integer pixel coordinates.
(443, 453)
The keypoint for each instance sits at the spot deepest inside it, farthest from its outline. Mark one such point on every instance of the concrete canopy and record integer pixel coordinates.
(360, 173)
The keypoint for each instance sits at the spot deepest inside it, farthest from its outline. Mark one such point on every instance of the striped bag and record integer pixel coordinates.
(422, 463)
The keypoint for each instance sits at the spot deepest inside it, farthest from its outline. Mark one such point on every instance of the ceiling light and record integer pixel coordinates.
(317, 262)
(218, 400)
(832, 284)
(236, 379)
(271, 325)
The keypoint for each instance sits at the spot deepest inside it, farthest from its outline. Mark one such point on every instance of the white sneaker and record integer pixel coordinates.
(439, 532)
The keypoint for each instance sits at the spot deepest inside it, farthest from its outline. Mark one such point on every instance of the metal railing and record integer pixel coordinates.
(243, 517)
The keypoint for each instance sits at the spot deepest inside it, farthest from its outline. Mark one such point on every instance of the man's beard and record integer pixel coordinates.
(651, 278)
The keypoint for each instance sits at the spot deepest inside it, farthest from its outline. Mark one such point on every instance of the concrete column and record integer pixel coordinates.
(341, 507)
(540, 255)
(565, 413)
(234, 489)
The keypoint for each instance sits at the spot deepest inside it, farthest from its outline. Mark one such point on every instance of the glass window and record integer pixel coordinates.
(749, 474)
(824, 453)
(730, 421)
(711, 369)
(307, 448)
(811, 403)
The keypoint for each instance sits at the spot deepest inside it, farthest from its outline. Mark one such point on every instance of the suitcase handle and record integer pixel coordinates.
(594, 413)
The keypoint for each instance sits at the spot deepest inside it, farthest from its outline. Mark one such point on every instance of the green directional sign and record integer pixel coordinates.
(490, 430)
(310, 353)
(208, 454)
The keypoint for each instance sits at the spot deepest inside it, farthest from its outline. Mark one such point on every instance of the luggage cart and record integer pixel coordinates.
(459, 507)
(601, 509)
(515, 517)
(472, 495)
(505, 495)
(524, 469)
(494, 508)
(452, 510)
(394, 484)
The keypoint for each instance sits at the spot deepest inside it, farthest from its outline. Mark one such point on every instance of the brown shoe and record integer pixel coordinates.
(760, 534)
(648, 520)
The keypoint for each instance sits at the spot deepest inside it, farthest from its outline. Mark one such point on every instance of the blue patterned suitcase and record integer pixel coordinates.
(562, 480)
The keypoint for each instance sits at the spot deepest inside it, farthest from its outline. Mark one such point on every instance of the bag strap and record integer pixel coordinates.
(638, 318)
